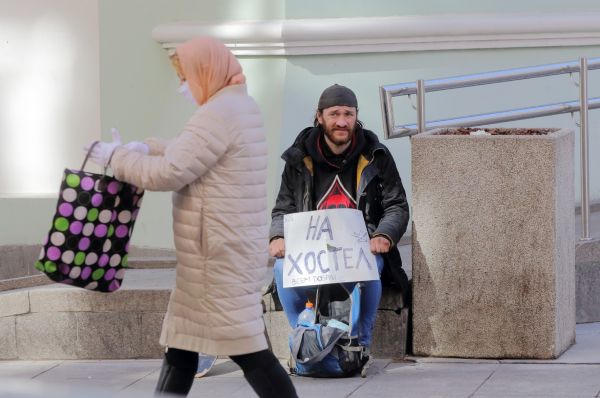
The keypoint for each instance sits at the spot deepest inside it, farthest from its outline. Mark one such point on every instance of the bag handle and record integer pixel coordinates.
(109, 160)
(87, 156)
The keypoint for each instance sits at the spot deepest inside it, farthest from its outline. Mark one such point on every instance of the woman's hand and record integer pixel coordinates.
(102, 151)
(137, 146)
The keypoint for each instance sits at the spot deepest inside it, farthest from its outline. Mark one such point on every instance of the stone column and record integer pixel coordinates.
(493, 243)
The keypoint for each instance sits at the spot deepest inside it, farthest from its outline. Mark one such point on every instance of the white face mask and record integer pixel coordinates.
(184, 90)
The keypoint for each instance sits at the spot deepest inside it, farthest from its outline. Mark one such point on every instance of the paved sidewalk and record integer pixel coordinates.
(575, 374)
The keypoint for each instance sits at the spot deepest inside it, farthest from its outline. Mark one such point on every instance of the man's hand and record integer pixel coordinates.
(380, 244)
(277, 248)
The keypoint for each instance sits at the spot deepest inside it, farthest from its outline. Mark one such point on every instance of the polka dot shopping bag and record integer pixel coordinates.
(89, 239)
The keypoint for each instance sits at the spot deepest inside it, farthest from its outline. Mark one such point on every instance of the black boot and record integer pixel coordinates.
(174, 381)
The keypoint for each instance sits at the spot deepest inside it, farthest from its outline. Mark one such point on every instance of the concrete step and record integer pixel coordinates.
(61, 322)
(587, 296)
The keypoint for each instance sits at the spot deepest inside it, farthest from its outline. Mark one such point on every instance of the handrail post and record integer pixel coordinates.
(583, 128)
(388, 113)
(421, 124)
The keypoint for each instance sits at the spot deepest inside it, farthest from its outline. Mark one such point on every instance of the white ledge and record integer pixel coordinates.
(390, 34)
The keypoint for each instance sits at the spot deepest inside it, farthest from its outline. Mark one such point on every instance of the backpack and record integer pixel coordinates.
(329, 348)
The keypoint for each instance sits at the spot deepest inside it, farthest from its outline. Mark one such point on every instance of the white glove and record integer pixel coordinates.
(136, 146)
(103, 150)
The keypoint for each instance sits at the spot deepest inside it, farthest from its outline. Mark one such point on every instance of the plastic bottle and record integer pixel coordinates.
(307, 316)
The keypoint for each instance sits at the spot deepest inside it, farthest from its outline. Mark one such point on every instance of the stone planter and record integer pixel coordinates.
(493, 243)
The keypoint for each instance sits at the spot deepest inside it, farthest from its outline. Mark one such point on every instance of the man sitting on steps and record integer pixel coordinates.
(336, 163)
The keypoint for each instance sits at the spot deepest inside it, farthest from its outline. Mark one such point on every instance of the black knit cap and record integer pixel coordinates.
(337, 95)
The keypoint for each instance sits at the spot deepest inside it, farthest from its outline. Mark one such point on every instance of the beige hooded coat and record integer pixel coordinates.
(217, 169)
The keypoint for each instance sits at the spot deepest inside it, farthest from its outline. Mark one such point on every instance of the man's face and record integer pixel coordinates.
(339, 123)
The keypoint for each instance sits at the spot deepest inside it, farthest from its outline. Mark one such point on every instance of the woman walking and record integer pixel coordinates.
(217, 169)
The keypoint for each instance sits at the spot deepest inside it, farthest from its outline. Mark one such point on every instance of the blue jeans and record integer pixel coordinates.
(293, 300)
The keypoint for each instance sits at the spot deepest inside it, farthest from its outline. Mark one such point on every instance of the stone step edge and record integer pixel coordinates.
(40, 279)
(24, 282)
(152, 262)
(585, 251)
(60, 300)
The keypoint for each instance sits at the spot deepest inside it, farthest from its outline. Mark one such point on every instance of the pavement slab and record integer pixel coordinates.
(432, 380)
(542, 380)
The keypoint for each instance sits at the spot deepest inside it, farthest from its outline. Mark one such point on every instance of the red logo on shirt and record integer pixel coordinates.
(336, 197)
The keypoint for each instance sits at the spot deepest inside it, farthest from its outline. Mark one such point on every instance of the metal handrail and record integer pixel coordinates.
(387, 92)
(421, 87)
(500, 76)
(501, 117)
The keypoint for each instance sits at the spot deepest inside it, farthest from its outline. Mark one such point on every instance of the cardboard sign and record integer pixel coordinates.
(327, 246)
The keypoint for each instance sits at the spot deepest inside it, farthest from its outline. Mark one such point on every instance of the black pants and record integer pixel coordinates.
(261, 369)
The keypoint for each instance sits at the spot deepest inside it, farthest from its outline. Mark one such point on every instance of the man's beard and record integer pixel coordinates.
(330, 134)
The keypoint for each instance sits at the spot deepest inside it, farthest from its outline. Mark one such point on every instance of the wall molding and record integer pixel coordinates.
(390, 34)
